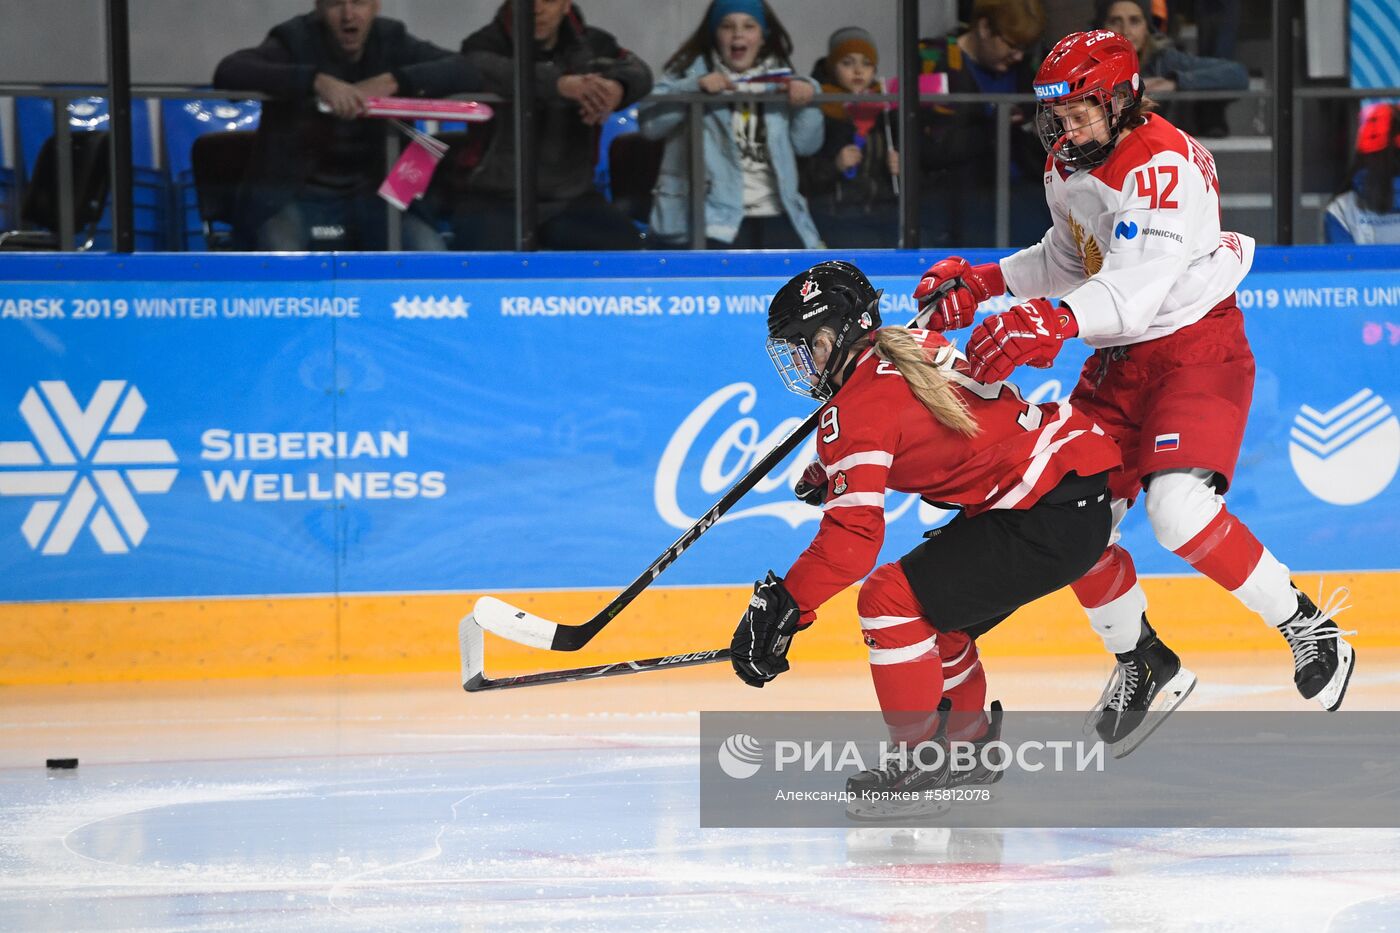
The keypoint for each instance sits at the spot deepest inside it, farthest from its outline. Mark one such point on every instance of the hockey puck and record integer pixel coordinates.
(61, 763)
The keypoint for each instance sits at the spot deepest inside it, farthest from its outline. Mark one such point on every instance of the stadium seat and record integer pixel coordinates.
(635, 162)
(620, 123)
(217, 164)
(184, 122)
(150, 195)
(39, 218)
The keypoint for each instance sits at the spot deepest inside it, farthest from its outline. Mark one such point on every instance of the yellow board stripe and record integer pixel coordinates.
(48, 643)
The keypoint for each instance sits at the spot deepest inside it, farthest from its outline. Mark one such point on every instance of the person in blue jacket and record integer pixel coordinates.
(752, 199)
(1368, 211)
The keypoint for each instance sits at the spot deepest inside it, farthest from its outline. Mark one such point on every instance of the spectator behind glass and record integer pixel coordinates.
(752, 199)
(850, 182)
(1369, 211)
(959, 155)
(320, 172)
(581, 76)
(1166, 68)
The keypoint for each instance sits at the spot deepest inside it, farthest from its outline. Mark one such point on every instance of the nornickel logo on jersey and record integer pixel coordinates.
(1125, 230)
(1348, 454)
(84, 468)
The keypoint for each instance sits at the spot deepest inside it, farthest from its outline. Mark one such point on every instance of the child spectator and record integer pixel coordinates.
(851, 181)
(581, 76)
(314, 171)
(1369, 210)
(752, 199)
(959, 154)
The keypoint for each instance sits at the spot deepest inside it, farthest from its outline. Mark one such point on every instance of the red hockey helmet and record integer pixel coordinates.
(1379, 129)
(1098, 66)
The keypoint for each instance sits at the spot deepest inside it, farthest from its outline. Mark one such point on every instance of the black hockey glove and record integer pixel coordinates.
(811, 485)
(761, 641)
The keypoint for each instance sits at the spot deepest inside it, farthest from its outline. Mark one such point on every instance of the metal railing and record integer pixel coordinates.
(1287, 182)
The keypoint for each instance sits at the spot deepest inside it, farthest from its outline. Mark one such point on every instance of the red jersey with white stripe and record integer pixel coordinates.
(1136, 248)
(875, 434)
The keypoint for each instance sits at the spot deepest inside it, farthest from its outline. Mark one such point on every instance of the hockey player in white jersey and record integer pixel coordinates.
(1148, 279)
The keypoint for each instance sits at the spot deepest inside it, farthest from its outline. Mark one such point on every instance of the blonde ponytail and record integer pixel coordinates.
(928, 383)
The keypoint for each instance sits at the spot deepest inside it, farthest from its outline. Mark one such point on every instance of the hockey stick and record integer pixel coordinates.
(520, 626)
(474, 679)
(516, 624)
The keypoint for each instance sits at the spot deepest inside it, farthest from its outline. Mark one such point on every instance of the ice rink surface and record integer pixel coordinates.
(401, 803)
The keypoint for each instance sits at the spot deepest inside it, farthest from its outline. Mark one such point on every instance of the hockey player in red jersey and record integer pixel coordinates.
(1147, 278)
(901, 412)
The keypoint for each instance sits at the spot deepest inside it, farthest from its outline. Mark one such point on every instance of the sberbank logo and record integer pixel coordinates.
(84, 467)
(1348, 454)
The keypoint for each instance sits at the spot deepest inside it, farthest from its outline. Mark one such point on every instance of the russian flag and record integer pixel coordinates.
(1166, 442)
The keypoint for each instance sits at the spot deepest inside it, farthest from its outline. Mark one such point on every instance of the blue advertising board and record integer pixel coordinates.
(248, 425)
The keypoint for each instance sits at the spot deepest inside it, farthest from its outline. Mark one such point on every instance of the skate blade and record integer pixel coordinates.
(897, 839)
(1167, 700)
(1332, 695)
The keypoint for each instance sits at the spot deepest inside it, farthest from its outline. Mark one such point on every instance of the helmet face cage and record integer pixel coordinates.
(1054, 136)
(795, 366)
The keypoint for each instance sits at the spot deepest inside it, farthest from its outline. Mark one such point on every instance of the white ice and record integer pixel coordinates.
(410, 808)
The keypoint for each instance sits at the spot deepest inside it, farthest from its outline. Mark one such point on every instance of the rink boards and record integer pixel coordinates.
(226, 465)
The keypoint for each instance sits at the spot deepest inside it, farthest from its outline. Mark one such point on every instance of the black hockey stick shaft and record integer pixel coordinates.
(481, 682)
(574, 637)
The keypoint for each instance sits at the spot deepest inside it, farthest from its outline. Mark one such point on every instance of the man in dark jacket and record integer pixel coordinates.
(581, 76)
(314, 176)
(994, 54)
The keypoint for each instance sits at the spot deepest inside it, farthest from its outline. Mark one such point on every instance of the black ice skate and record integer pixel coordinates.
(886, 776)
(1148, 683)
(1323, 660)
(879, 794)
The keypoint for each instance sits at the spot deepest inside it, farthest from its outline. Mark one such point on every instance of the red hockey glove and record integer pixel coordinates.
(811, 486)
(1030, 333)
(951, 290)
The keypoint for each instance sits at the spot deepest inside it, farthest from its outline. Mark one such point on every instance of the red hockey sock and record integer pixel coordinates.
(1107, 580)
(904, 656)
(1225, 550)
(963, 679)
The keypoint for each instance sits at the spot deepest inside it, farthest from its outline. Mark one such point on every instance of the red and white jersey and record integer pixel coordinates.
(875, 434)
(1136, 248)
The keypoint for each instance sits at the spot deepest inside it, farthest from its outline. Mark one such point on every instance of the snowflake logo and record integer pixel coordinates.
(84, 468)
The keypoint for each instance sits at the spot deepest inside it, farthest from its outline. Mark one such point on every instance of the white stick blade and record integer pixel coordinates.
(519, 626)
(471, 644)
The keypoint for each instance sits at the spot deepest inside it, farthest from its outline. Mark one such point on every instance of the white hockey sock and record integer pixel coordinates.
(1119, 623)
(1268, 591)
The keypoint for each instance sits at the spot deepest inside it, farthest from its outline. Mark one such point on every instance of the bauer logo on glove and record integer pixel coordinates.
(760, 646)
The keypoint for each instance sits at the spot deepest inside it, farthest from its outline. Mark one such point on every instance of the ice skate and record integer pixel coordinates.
(880, 793)
(1148, 684)
(1323, 660)
(882, 843)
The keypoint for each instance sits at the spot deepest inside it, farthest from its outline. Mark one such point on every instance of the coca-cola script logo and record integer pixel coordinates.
(741, 444)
